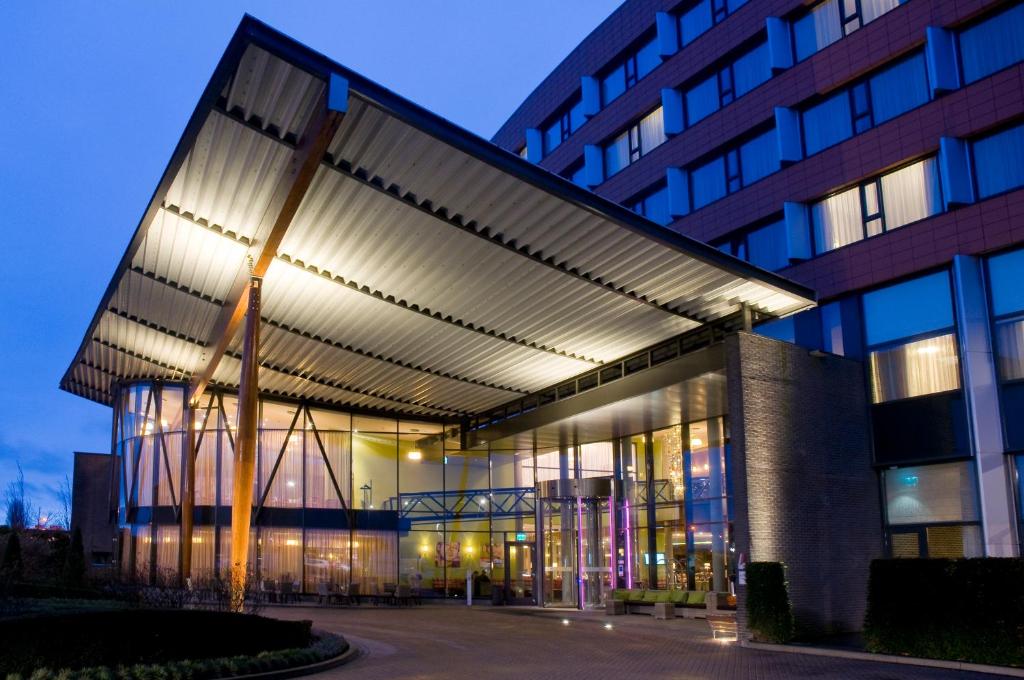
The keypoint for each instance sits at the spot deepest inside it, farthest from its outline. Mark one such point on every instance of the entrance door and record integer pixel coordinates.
(519, 573)
(577, 545)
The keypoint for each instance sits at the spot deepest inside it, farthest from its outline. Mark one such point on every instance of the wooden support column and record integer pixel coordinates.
(188, 496)
(245, 449)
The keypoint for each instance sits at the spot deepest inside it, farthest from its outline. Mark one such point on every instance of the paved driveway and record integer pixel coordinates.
(452, 642)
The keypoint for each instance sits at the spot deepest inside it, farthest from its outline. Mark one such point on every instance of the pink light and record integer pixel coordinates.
(629, 542)
(579, 547)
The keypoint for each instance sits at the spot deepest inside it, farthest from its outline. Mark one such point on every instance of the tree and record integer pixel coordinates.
(74, 562)
(62, 517)
(20, 512)
(11, 564)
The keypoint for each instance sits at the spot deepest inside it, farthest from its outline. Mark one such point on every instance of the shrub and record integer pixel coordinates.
(140, 636)
(965, 610)
(769, 614)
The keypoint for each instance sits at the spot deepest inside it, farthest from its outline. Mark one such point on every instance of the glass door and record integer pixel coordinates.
(519, 573)
(559, 545)
(595, 549)
(577, 546)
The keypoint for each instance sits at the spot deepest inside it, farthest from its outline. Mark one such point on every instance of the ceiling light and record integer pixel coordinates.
(415, 455)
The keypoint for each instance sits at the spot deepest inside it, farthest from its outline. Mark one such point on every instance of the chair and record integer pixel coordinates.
(403, 595)
(288, 592)
(269, 589)
(323, 592)
(352, 594)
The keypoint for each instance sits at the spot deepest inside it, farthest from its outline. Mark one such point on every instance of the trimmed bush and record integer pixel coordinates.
(769, 614)
(962, 610)
(140, 636)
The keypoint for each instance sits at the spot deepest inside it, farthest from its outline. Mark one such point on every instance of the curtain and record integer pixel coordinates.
(596, 459)
(286, 486)
(911, 194)
(817, 30)
(993, 44)
(616, 155)
(227, 466)
(320, 492)
(914, 369)
(168, 540)
(752, 69)
(708, 183)
(837, 221)
(702, 100)
(206, 469)
(898, 89)
(652, 131)
(999, 161)
(202, 554)
(759, 157)
(170, 457)
(872, 9)
(143, 541)
(827, 123)
(374, 559)
(326, 558)
(280, 553)
(144, 484)
(1010, 349)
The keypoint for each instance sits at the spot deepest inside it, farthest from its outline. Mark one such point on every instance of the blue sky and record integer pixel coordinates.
(96, 94)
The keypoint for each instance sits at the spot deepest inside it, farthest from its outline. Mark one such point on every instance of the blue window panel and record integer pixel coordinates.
(759, 157)
(993, 45)
(552, 136)
(337, 93)
(593, 161)
(708, 183)
(673, 115)
(579, 176)
(940, 53)
(797, 217)
(695, 22)
(613, 85)
(648, 58)
(767, 247)
(780, 41)
(899, 89)
(590, 95)
(787, 131)
(678, 181)
(907, 309)
(1006, 279)
(668, 34)
(831, 328)
(576, 116)
(655, 207)
(701, 100)
(827, 123)
(734, 5)
(999, 162)
(955, 173)
(534, 145)
(752, 69)
(817, 30)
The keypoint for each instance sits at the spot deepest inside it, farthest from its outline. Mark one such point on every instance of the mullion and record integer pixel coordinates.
(726, 89)
(634, 143)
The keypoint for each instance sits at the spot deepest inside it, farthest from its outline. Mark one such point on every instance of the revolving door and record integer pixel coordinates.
(577, 537)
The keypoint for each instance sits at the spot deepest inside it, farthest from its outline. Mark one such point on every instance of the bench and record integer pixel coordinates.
(723, 626)
(690, 604)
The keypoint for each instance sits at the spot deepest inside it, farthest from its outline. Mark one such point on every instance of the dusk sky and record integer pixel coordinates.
(95, 96)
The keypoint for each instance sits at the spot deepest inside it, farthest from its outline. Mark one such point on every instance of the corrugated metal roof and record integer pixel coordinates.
(425, 271)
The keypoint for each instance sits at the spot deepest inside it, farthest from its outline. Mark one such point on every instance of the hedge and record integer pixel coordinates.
(769, 614)
(134, 636)
(326, 647)
(963, 610)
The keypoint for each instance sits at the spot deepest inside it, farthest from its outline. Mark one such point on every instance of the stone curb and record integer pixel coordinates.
(345, 657)
(886, 658)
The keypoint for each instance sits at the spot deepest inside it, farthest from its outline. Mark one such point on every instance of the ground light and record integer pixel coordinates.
(565, 622)
(608, 626)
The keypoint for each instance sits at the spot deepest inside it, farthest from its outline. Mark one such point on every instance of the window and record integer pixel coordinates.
(831, 20)
(654, 206)
(932, 511)
(566, 123)
(999, 162)
(1006, 280)
(734, 80)
(708, 183)
(699, 19)
(734, 170)
(759, 158)
(877, 205)
(993, 44)
(702, 100)
(752, 69)
(629, 72)
(578, 175)
(634, 143)
(885, 95)
(765, 247)
(909, 328)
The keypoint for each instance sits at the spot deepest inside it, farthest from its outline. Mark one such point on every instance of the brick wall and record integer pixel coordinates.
(804, 490)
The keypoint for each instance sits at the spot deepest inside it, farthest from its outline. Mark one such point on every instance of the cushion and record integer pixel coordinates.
(635, 595)
(695, 598)
(665, 596)
(651, 596)
(620, 594)
(677, 596)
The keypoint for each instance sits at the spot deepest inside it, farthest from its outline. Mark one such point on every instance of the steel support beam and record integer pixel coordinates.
(245, 449)
(188, 496)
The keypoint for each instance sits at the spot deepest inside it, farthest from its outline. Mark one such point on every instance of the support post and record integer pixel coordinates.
(245, 449)
(188, 496)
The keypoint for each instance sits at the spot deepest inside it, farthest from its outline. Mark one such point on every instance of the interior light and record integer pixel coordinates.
(415, 455)
(696, 442)
(291, 541)
(928, 349)
(355, 544)
(291, 484)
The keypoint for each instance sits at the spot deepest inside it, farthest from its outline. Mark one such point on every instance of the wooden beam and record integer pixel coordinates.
(245, 450)
(284, 204)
